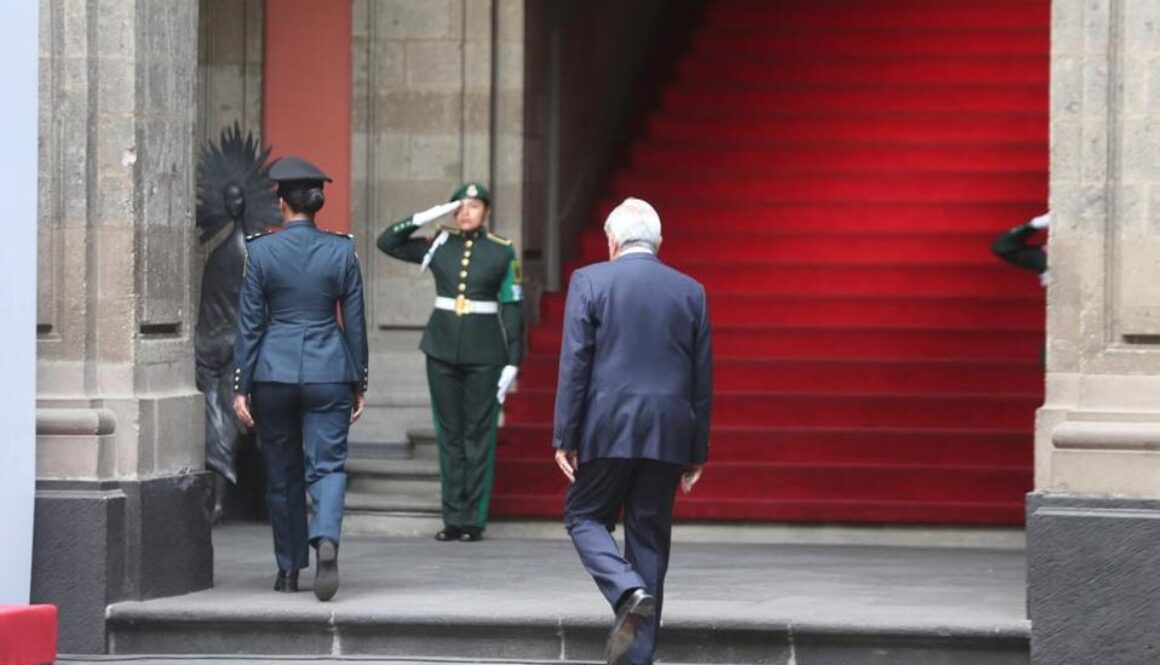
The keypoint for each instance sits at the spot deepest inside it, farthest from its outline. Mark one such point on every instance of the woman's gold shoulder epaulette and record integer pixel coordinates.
(499, 239)
(450, 230)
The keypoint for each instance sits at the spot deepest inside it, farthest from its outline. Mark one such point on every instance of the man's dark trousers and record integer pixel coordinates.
(303, 430)
(644, 489)
(466, 412)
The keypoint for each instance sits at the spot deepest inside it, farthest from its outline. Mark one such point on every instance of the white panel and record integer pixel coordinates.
(18, 172)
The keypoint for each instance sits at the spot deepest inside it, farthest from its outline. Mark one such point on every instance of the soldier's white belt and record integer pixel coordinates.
(463, 306)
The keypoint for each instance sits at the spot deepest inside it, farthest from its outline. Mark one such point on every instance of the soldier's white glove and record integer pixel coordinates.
(434, 212)
(507, 379)
(1041, 221)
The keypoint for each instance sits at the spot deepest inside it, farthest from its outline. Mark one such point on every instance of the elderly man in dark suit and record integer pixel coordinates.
(632, 418)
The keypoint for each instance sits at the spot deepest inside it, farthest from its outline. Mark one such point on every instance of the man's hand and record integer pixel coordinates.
(242, 410)
(690, 477)
(360, 403)
(568, 462)
(434, 212)
(506, 378)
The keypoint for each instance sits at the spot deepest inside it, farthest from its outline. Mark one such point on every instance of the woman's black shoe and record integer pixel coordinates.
(449, 533)
(471, 536)
(286, 581)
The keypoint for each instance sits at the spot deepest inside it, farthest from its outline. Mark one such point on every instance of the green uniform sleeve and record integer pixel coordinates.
(511, 299)
(1013, 248)
(396, 241)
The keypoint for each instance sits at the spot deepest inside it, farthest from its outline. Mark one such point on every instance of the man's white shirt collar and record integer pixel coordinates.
(635, 250)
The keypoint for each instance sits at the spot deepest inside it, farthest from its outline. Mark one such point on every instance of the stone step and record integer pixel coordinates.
(405, 503)
(521, 600)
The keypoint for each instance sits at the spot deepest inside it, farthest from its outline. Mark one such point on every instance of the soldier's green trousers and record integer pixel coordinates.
(465, 412)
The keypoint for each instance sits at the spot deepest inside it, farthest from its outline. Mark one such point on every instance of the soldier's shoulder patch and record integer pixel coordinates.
(260, 234)
(340, 234)
(499, 239)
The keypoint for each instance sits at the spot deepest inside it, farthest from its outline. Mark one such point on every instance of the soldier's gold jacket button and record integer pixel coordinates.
(464, 262)
(462, 288)
(467, 255)
(470, 243)
(462, 274)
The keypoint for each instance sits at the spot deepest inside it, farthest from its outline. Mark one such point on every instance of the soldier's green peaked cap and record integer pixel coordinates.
(472, 190)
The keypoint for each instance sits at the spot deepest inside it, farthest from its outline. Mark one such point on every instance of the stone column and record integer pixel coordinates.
(122, 504)
(1094, 518)
(438, 99)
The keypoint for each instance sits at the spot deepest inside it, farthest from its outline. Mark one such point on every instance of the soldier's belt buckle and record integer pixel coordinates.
(462, 306)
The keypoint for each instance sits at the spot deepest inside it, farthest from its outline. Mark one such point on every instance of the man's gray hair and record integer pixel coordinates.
(634, 223)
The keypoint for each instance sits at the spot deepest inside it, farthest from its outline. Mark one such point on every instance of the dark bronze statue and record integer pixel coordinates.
(235, 197)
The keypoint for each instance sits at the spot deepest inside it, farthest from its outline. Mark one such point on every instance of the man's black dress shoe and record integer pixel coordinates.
(636, 605)
(471, 536)
(286, 581)
(326, 574)
(449, 533)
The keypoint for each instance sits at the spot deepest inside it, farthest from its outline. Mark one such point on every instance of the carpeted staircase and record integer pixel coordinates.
(834, 172)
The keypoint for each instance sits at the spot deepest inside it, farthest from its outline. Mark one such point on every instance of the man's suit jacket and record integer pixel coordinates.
(288, 330)
(636, 364)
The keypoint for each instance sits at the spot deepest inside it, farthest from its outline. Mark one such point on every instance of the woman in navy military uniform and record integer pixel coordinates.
(473, 342)
(301, 372)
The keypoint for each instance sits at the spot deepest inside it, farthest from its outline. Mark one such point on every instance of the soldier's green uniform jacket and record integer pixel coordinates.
(474, 266)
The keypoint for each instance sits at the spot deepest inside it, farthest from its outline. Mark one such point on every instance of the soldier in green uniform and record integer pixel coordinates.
(473, 342)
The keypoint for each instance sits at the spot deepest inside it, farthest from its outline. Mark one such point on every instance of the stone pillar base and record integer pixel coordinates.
(97, 543)
(1094, 579)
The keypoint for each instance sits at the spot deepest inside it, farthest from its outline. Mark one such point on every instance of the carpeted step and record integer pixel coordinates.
(756, 481)
(667, 159)
(987, 511)
(829, 128)
(824, 445)
(867, 96)
(763, 40)
(982, 277)
(733, 309)
(912, 15)
(786, 409)
(778, 70)
(820, 246)
(990, 339)
(989, 218)
(844, 375)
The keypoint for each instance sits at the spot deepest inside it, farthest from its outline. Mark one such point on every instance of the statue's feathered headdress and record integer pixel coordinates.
(237, 161)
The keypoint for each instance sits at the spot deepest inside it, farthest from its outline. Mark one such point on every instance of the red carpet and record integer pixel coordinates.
(834, 172)
(27, 634)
